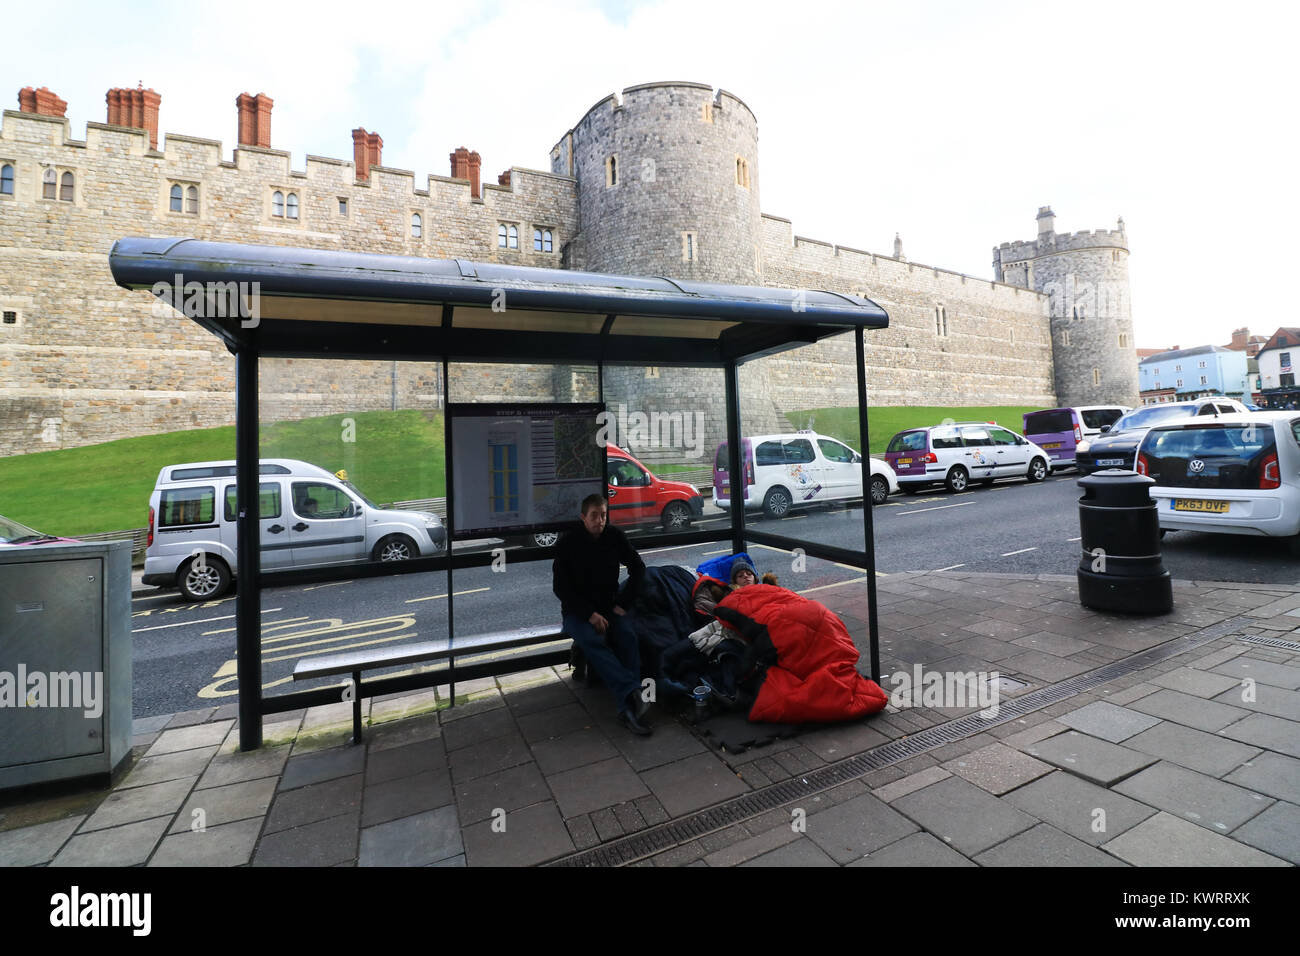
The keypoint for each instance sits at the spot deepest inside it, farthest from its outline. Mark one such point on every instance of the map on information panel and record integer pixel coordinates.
(522, 467)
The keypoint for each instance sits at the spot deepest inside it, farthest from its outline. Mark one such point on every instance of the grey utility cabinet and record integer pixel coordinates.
(65, 660)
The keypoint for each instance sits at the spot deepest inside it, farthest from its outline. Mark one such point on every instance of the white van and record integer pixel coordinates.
(789, 471)
(310, 518)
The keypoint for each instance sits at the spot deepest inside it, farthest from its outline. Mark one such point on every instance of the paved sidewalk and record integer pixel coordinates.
(1191, 760)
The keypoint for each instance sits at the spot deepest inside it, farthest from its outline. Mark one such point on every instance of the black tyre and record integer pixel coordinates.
(203, 580)
(1037, 470)
(395, 547)
(677, 516)
(545, 539)
(777, 503)
(957, 479)
(879, 490)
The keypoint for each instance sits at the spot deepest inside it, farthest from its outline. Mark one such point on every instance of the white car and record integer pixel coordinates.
(797, 469)
(310, 518)
(1231, 474)
(958, 453)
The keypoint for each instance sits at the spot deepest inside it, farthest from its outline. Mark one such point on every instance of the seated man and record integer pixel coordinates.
(585, 579)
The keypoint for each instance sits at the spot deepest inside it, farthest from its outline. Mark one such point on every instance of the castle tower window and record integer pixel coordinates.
(177, 199)
(192, 200)
(1096, 377)
(343, 206)
(706, 114)
(1065, 338)
(652, 371)
(184, 200)
(507, 236)
(417, 226)
(277, 204)
(690, 247)
(742, 172)
(611, 171)
(49, 184)
(291, 206)
(1123, 340)
(542, 240)
(6, 180)
(66, 185)
(940, 321)
(10, 318)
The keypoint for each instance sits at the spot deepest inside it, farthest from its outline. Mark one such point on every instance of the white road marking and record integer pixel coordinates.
(265, 624)
(951, 567)
(435, 597)
(938, 508)
(835, 585)
(332, 584)
(1021, 551)
(723, 551)
(206, 620)
(1074, 539)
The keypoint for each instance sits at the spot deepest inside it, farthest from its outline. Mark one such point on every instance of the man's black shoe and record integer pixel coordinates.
(630, 721)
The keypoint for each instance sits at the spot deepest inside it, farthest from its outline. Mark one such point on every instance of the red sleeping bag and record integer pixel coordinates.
(814, 678)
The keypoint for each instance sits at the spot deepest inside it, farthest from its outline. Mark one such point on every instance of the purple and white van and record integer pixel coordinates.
(1059, 430)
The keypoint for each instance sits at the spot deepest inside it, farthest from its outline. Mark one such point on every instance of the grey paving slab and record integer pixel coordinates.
(315, 802)
(1165, 840)
(405, 797)
(323, 843)
(532, 835)
(1263, 730)
(853, 829)
(511, 789)
(405, 761)
(1262, 672)
(1273, 774)
(1046, 667)
(140, 803)
(843, 740)
(1194, 796)
(1190, 711)
(417, 840)
(919, 849)
(1100, 761)
(1194, 749)
(960, 813)
(752, 847)
(527, 700)
(458, 860)
(575, 749)
(1045, 845)
(1031, 735)
(189, 718)
(300, 771)
(237, 767)
(1276, 831)
(595, 786)
(693, 783)
(481, 759)
(400, 733)
(31, 846)
(802, 852)
(149, 725)
(670, 741)
(1057, 645)
(910, 784)
(1108, 721)
(127, 845)
(1267, 700)
(190, 738)
(218, 805)
(997, 768)
(555, 721)
(1198, 683)
(1084, 810)
(478, 728)
(230, 844)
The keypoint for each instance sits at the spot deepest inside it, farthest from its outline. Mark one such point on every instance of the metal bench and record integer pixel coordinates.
(357, 662)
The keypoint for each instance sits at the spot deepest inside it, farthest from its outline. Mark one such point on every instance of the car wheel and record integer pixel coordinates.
(546, 539)
(879, 490)
(203, 581)
(396, 547)
(677, 516)
(777, 503)
(1037, 470)
(957, 479)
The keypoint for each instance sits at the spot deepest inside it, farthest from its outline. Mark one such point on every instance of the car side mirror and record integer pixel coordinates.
(1104, 429)
(857, 459)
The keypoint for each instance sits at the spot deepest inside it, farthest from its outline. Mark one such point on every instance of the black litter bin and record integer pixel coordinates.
(1120, 568)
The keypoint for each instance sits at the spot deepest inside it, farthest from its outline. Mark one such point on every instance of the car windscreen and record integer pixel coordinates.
(907, 441)
(1050, 422)
(1153, 415)
(1100, 417)
(1210, 455)
(11, 531)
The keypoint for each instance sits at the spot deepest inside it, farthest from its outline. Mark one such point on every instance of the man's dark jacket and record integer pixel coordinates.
(585, 574)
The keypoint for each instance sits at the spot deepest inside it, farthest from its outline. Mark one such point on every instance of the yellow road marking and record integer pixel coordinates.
(272, 624)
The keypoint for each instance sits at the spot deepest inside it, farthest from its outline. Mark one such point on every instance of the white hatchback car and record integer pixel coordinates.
(1234, 474)
(958, 453)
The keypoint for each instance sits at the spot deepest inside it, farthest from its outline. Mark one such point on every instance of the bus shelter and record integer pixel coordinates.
(280, 302)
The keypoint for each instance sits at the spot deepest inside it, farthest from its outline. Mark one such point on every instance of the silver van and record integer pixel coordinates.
(310, 518)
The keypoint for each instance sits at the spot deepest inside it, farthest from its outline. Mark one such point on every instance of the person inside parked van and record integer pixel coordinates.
(310, 507)
(585, 579)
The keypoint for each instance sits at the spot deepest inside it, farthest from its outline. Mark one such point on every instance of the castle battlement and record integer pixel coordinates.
(1054, 243)
(632, 99)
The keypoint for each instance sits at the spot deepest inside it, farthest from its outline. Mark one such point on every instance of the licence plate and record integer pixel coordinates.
(1199, 504)
(1110, 461)
(1052, 444)
(904, 461)
(725, 492)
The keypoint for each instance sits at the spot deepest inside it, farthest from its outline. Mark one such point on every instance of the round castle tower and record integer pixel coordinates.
(668, 186)
(1085, 277)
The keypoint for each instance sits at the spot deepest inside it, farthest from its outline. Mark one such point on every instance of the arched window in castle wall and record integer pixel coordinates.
(66, 187)
(6, 180)
(417, 226)
(192, 200)
(291, 206)
(177, 199)
(1096, 377)
(277, 204)
(49, 184)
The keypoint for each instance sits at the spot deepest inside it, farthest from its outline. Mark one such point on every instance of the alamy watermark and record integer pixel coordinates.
(76, 689)
(209, 300)
(680, 431)
(922, 688)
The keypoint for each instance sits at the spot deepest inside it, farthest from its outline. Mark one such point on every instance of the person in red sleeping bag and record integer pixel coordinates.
(807, 657)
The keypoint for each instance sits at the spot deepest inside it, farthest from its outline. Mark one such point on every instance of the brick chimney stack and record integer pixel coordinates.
(367, 149)
(136, 108)
(466, 165)
(1240, 338)
(42, 102)
(254, 119)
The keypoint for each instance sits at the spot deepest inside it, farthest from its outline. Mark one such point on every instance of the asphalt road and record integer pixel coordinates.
(185, 653)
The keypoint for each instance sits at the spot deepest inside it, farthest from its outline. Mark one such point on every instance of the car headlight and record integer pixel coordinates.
(1082, 447)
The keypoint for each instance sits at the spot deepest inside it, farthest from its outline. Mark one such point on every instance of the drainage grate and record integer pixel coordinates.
(665, 836)
(1270, 642)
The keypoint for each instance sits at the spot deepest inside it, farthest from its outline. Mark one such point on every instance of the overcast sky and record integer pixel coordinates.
(949, 123)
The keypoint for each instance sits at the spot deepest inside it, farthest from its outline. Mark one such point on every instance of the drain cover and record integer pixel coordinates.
(1007, 683)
